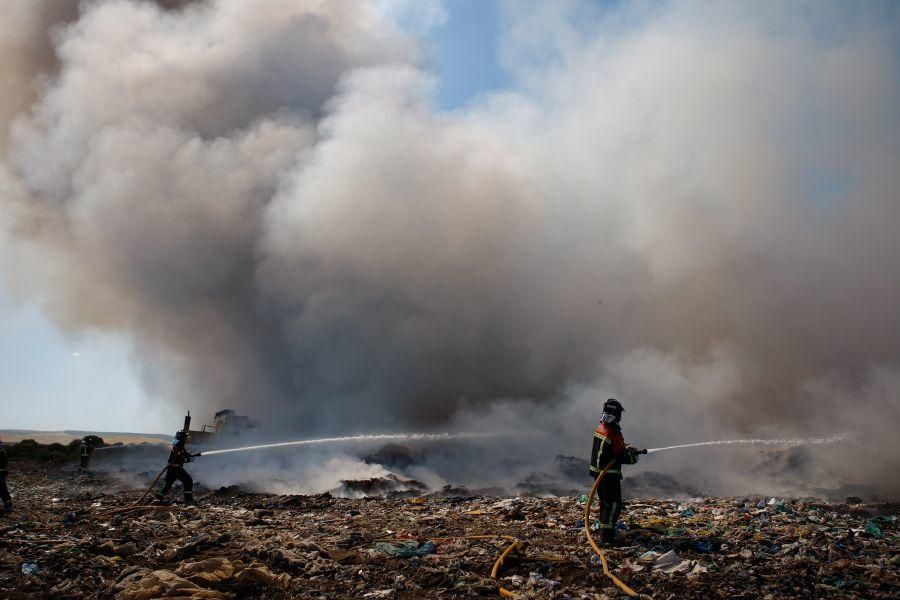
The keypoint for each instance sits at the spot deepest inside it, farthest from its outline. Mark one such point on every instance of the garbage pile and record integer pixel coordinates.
(79, 537)
(389, 486)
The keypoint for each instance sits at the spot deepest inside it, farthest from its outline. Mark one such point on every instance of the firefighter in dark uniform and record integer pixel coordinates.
(4, 471)
(610, 449)
(85, 451)
(175, 469)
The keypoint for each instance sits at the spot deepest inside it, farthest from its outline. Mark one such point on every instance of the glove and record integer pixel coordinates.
(633, 454)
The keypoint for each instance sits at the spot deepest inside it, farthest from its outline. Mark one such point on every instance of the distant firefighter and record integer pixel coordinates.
(4, 471)
(609, 447)
(175, 469)
(86, 449)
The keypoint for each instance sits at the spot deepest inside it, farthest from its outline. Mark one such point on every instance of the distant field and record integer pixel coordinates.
(11, 436)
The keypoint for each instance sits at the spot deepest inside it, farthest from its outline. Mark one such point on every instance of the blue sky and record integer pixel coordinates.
(464, 52)
(49, 381)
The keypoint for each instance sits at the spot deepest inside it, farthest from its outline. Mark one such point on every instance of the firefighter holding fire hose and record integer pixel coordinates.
(86, 449)
(609, 447)
(175, 469)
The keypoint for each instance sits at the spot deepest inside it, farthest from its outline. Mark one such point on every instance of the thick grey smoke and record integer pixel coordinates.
(693, 207)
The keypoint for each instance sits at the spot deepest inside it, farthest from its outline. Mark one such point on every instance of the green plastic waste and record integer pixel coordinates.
(405, 549)
(873, 528)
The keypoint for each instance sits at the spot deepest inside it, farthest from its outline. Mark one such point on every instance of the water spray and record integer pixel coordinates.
(776, 442)
(429, 437)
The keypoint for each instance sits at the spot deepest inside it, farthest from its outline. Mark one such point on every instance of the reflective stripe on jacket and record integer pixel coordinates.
(609, 445)
(178, 456)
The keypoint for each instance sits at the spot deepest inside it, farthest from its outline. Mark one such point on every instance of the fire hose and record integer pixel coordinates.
(495, 572)
(141, 499)
(152, 485)
(514, 547)
(587, 532)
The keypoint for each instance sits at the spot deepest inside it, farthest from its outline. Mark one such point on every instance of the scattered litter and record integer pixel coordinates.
(672, 563)
(697, 571)
(405, 549)
(536, 581)
(245, 545)
(163, 584)
(873, 528)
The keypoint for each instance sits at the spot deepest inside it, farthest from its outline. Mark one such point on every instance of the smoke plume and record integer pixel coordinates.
(690, 207)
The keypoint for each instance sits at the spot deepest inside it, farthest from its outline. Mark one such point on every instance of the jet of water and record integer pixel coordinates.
(359, 438)
(777, 442)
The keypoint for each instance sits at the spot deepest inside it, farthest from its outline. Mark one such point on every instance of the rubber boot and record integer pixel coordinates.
(608, 537)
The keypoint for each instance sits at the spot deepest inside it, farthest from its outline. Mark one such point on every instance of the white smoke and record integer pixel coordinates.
(692, 207)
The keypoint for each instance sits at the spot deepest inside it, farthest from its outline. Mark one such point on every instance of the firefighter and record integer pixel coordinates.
(85, 451)
(609, 447)
(4, 471)
(175, 469)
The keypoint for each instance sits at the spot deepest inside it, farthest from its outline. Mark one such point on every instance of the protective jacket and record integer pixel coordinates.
(175, 471)
(4, 460)
(609, 445)
(85, 449)
(178, 456)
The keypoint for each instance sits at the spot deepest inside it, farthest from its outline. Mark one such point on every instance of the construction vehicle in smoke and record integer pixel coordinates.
(227, 425)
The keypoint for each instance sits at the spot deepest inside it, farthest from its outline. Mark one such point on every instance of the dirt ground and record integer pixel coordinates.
(74, 536)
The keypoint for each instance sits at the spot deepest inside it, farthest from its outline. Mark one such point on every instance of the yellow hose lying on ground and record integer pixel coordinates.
(587, 532)
(495, 572)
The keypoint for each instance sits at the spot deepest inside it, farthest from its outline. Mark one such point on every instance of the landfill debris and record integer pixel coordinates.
(873, 528)
(126, 549)
(405, 549)
(165, 584)
(672, 563)
(236, 544)
(390, 486)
